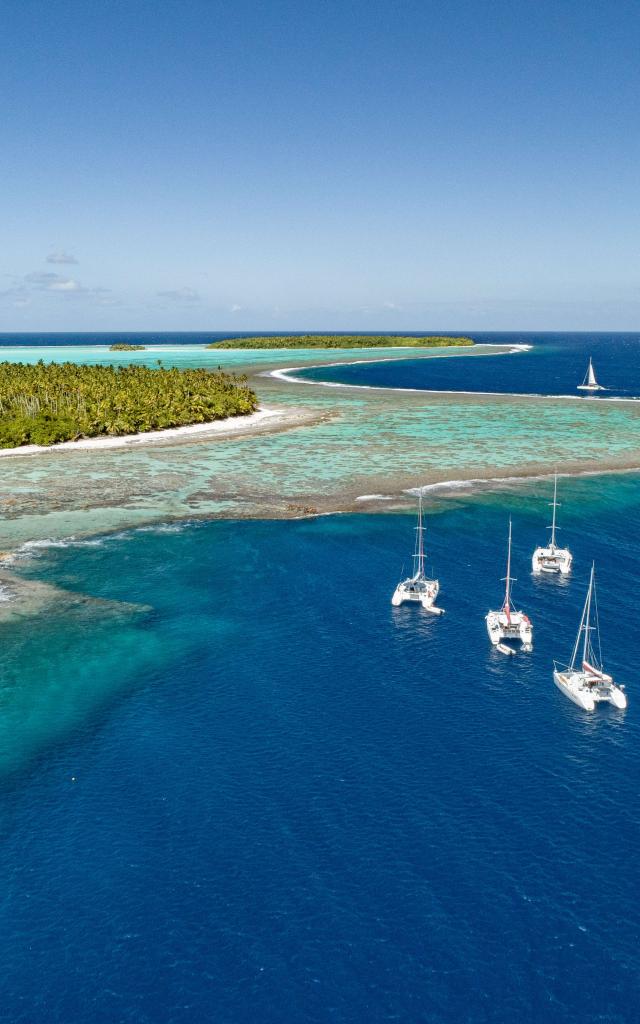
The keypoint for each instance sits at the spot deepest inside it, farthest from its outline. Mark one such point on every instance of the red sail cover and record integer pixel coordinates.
(586, 667)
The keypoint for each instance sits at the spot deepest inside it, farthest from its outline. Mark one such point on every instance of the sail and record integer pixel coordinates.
(591, 377)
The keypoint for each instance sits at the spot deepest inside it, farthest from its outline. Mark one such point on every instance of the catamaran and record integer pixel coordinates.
(590, 383)
(587, 685)
(552, 559)
(418, 587)
(509, 624)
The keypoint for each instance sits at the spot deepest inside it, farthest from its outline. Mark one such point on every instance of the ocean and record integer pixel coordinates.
(238, 786)
(554, 365)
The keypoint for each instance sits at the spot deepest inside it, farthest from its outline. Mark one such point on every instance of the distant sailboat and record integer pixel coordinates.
(418, 587)
(552, 559)
(587, 684)
(509, 624)
(590, 383)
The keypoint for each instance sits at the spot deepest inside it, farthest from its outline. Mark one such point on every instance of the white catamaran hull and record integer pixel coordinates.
(515, 626)
(552, 560)
(423, 592)
(587, 690)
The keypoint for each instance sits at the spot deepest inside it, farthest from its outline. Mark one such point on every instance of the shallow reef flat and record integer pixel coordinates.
(24, 599)
(351, 442)
(42, 626)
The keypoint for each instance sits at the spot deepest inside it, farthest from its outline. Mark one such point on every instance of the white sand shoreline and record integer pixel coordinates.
(276, 415)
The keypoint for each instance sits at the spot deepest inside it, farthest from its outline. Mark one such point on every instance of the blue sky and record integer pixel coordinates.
(326, 165)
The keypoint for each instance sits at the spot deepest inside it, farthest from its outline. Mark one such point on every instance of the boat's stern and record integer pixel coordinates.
(494, 629)
(618, 698)
(526, 632)
(551, 562)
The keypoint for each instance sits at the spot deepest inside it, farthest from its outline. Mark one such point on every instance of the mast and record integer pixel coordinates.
(506, 607)
(584, 624)
(555, 505)
(587, 618)
(419, 555)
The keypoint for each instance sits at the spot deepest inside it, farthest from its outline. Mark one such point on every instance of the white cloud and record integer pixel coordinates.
(47, 281)
(235, 308)
(61, 257)
(180, 294)
(66, 285)
(391, 306)
(52, 282)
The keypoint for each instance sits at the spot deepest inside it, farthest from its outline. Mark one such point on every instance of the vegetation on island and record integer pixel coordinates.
(123, 346)
(52, 402)
(342, 341)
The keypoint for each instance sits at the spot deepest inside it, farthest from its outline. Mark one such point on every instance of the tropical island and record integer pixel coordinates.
(343, 341)
(49, 403)
(123, 346)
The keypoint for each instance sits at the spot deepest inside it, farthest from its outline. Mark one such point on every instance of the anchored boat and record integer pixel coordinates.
(418, 587)
(590, 383)
(509, 624)
(585, 682)
(552, 559)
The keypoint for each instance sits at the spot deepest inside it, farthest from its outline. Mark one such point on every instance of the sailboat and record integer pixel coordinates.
(509, 624)
(587, 684)
(552, 559)
(590, 383)
(418, 587)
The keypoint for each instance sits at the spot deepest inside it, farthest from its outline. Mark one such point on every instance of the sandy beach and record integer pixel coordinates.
(312, 449)
(266, 418)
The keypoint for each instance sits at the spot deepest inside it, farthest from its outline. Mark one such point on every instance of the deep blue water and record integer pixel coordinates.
(300, 804)
(109, 337)
(554, 366)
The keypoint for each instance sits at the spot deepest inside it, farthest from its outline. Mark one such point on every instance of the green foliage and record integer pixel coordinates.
(341, 341)
(46, 403)
(123, 346)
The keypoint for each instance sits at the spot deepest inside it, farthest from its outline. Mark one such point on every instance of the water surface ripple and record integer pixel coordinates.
(292, 802)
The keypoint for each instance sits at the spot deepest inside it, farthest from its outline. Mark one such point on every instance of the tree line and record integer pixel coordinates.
(342, 341)
(47, 403)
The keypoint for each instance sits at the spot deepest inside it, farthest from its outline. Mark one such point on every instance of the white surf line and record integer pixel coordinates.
(471, 482)
(375, 497)
(491, 482)
(477, 482)
(285, 373)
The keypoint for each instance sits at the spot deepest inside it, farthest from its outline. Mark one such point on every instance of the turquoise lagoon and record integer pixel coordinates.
(365, 442)
(236, 785)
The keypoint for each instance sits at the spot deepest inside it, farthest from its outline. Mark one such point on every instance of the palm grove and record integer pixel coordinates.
(343, 341)
(47, 403)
